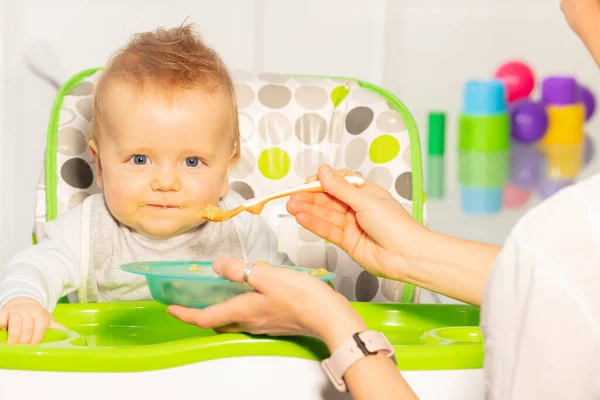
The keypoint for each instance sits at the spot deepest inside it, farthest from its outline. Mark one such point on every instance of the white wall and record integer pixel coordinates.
(423, 50)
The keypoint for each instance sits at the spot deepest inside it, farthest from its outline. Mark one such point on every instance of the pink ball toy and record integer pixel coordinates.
(519, 79)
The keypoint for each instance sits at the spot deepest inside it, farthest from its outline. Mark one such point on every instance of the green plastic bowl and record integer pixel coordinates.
(194, 283)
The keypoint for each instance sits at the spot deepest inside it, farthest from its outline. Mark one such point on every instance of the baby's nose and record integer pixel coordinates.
(166, 180)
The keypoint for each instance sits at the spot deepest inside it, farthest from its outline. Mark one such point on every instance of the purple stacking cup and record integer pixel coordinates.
(560, 91)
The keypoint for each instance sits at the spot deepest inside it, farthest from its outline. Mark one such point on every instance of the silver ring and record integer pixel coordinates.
(247, 273)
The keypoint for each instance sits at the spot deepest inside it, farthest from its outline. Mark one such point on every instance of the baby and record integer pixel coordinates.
(164, 136)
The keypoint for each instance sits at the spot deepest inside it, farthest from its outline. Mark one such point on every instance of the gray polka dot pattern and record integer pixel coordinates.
(381, 176)
(85, 88)
(275, 128)
(367, 286)
(404, 185)
(243, 189)
(390, 121)
(244, 166)
(273, 77)
(274, 96)
(311, 128)
(71, 141)
(311, 97)
(308, 162)
(244, 95)
(392, 290)
(346, 288)
(247, 127)
(77, 199)
(358, 120)
(66, 116)
(77, 173)
(84, 107)
(337, 127)
(356, 152)
(332, 258)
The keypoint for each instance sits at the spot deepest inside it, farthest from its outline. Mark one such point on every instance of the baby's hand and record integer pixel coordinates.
(26, 320)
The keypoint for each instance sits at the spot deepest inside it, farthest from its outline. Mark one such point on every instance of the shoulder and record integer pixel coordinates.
(569, 219)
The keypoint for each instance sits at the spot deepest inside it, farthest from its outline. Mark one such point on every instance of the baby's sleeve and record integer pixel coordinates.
(48, 270)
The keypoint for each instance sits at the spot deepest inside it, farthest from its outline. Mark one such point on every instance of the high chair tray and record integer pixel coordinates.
(129, 337)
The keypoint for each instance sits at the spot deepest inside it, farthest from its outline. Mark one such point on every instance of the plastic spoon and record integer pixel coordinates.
(255, 206)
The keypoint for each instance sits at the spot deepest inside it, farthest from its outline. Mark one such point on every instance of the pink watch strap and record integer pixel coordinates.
(355, 348)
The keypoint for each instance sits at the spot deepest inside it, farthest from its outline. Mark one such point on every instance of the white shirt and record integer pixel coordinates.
(541, 307)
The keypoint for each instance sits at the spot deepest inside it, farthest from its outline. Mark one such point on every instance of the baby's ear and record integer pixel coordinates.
(235, 156)
(93, 145)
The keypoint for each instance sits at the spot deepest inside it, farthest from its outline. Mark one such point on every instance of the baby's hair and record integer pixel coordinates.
(167, 60)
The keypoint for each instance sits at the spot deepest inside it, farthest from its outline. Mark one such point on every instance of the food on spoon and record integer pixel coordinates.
(210, 212)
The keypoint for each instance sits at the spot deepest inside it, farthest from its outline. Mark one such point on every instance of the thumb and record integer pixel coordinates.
(338, 187)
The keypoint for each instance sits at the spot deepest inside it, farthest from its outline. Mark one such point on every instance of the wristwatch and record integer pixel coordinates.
(358, 346)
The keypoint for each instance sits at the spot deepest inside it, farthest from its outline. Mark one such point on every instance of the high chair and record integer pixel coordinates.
(290, 125)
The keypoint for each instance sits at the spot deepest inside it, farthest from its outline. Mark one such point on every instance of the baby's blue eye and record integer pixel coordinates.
(192, 162)
(139, 160)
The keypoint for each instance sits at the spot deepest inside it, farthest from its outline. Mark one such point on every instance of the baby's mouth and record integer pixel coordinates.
(163, 206)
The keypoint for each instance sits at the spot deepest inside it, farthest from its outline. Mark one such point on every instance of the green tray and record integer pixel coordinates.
(128, 337)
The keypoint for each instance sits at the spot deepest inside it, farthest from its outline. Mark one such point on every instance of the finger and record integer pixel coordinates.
(321, 228)
(27, 326)
(337, 186)
(324, 213)
(14, 328)
(3, 319)
(233, 269)
(215, 316)
(38, 330)
(187, 315)
(320, 200)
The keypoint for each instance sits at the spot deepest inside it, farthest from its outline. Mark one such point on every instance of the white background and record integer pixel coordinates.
(422, 50)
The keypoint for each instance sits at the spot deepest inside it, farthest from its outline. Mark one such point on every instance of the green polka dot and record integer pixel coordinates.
(339, 94)
(274, 163)
(383, 149)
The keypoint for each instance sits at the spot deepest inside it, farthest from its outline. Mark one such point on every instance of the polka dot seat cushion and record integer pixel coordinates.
(289, 126)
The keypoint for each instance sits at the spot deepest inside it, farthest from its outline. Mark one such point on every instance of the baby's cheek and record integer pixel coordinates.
(206, 190)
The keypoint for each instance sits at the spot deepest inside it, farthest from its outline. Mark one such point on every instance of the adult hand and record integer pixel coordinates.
(577, 12)
(288, 302)
(583, 16)
(285, 302)
(366, 222)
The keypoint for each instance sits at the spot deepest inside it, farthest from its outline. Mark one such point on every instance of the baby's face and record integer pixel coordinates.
(161, 161)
